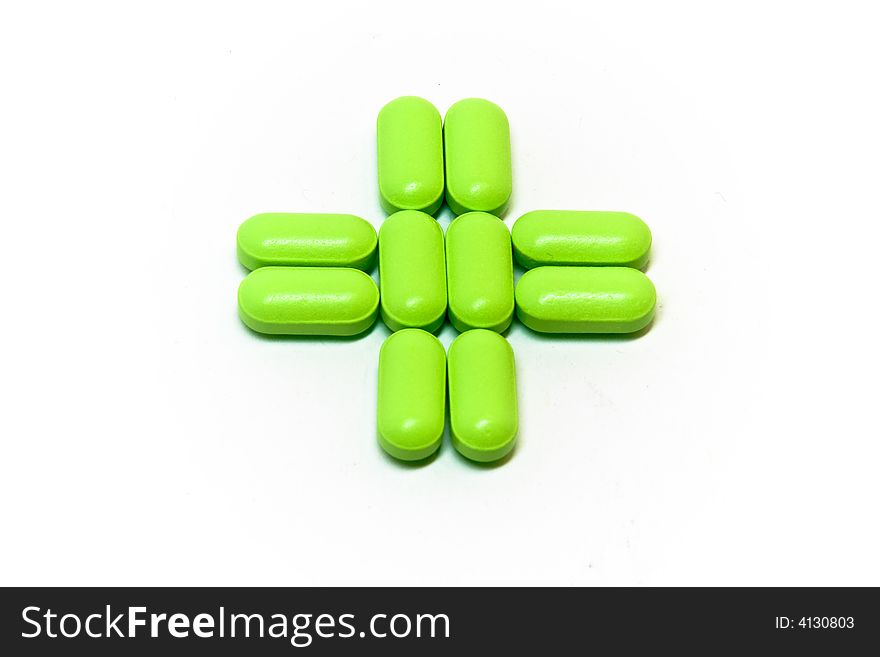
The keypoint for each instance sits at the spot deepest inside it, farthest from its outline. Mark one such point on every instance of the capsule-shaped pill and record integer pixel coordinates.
(585, 299)
(567, 237)
(478, 172)
(482, 395)
(308, 301)
(409, 140)
(479, 271)
(412, 271)
(412, 394)
(306, 240)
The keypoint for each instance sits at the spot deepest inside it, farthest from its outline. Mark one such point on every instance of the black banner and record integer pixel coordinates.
(279, 621)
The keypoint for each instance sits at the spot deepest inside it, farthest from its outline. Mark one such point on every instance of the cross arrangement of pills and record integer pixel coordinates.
(309, 277)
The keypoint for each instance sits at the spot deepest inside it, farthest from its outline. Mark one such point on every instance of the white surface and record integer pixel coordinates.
(149, 438)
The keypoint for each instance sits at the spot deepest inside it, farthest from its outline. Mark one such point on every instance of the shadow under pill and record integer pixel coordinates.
(408, 465)
(488, 465)
(522, 329)
(378, 325)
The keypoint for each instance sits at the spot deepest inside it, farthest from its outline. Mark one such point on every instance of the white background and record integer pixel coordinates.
(149, 438)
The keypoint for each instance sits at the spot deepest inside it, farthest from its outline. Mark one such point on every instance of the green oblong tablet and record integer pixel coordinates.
(308, 301)
(585, 299)
(409, 141)
(482, 395)
(570, 237)
(478, 172)
(297, 239)
(412, 271)
(479, 272)
(412, 394)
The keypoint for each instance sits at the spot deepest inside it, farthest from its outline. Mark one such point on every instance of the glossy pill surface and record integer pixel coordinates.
(409, 141)
(482, 395)
(412, 394)
(478, 170)
(412, 271)
(308, 301)
(570, 237)
(479, 271)
(306, 240)
(585, 299)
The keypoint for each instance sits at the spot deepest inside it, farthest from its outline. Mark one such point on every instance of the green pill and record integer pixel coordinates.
(478, 172)
(585, 299)
(308, 301)
(482, 395)
(479, 271)
(567, 237)
(412, 394)
(412, 271)
(306, 240)
(409, 140)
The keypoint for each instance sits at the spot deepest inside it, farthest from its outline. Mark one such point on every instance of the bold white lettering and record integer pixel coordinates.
(203, 626)
(134, 621)
(178, 626)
